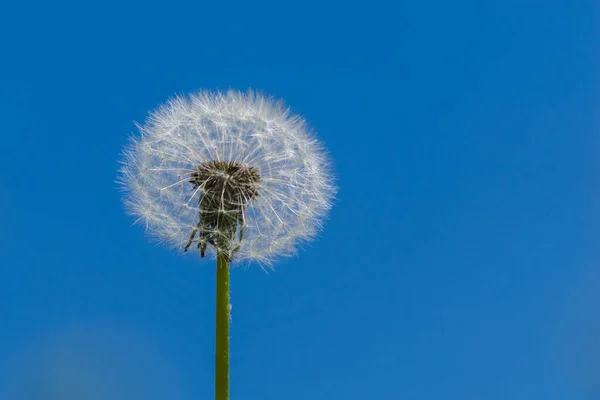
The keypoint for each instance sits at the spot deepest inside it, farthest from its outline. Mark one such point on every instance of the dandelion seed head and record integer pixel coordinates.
(232, 171)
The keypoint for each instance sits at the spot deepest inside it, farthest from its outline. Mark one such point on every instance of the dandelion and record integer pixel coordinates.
(233, 175)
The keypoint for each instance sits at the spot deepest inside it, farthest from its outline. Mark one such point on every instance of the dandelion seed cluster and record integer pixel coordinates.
(233, 172)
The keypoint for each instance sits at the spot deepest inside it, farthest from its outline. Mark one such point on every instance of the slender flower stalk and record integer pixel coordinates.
(222, 330)
(235, 176)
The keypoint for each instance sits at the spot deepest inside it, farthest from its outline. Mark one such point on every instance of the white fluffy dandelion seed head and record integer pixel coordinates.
(293, 195)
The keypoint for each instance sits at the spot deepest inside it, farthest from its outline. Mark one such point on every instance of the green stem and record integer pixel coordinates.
(222, 329)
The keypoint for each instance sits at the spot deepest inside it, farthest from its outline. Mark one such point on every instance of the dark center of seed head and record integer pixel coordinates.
(225, 189)
(226, 185)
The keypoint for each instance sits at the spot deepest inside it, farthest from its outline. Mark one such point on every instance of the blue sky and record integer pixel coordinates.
(459, 262)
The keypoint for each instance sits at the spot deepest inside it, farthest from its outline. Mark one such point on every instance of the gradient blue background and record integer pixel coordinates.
(460, 260)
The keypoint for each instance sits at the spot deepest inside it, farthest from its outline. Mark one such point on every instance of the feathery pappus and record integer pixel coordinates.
(231, 172)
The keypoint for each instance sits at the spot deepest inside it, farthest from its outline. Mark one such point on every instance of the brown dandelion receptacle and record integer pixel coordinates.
(225, 189)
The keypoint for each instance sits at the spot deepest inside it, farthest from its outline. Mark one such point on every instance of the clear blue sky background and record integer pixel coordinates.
(461, 258)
